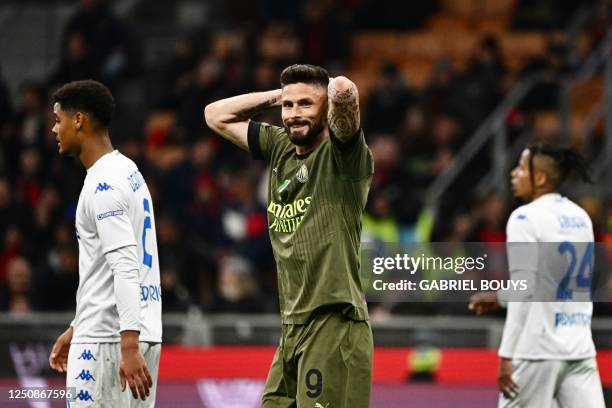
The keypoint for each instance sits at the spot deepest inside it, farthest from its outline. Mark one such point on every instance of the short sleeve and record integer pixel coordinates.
(353, 156)
(520, 227)
(262, 139)
(110, 209)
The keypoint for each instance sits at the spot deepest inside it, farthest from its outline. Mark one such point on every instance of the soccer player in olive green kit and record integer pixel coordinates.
(321, 169)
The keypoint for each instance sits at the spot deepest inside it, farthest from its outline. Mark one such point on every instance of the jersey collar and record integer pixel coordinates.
(102, 159)
(549, 196)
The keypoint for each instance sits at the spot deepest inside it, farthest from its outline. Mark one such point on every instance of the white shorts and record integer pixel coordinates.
(93, 370)
(555, 383)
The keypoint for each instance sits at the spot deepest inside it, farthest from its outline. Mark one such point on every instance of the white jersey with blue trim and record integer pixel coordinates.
(115, 210)
(559, 237)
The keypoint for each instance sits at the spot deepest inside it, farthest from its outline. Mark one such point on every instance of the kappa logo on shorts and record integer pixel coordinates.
(86, 355)
(84, 396)
(85, 376)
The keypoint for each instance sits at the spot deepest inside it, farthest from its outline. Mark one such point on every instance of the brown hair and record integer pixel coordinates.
(304, 73)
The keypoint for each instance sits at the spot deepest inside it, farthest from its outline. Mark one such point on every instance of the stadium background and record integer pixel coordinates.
(450, 91)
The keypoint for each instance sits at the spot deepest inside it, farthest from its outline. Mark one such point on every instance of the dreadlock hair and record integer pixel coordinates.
(567, 162)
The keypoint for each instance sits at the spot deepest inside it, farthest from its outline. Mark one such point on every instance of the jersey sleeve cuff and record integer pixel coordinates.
(253, 140)
(344, 145)
(130, 328)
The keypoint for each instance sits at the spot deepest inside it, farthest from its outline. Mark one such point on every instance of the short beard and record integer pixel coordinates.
(309, 138)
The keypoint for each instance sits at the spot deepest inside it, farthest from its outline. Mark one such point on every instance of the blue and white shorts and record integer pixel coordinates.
(93, 370)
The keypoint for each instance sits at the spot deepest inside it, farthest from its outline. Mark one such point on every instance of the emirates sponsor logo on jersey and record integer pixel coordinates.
(302, 174)
(287, 217)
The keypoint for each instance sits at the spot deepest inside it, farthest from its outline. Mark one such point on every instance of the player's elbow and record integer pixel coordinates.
(343, 85)
(343, 82)
(211, 116)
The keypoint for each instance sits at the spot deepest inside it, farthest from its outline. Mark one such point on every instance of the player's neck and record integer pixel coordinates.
(539, 193)
(302, 150)
(93, 148)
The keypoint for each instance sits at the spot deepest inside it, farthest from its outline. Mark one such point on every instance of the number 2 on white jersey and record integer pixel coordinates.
(147, 257)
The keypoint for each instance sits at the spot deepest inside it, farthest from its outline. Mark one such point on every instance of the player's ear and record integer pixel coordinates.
(540, 178)
(78, 120)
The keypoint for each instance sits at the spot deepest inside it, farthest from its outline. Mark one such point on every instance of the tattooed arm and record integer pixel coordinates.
(230, 117)
(343, 114)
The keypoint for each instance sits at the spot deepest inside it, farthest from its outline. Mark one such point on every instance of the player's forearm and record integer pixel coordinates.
(239, 108)
(126, 284)
(343, 114)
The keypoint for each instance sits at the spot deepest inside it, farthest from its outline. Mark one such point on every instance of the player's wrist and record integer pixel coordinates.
(129, 340)
(275, 97)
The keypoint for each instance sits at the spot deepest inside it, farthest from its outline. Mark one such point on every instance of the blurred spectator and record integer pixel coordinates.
(5, 104)
(6, 134)
(265, 76)
(374, 14)
(77, 61)
(16, 291)
(205, 206)
(482, 78)
(30, 118)
(551, 67)
(19, 305)
(177, 73)
(244, 218)
(602, 19)
(387, 101)
(174, 296)
(378, 222)
(12, 248)
(324, 33)
(208, 85)
(29, 181)
(417, 151)
(386, 154)
(28, 125)
(178, 254)
(8, 210)
(279, 43)
(237, 288)
(593, 206)
(441, 93)
(492, 217)
(57, 287)
(107, 41)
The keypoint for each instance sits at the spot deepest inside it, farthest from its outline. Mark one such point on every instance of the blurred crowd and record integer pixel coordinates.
(209, 196)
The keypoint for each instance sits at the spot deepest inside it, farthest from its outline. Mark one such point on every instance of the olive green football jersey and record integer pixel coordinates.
(315, 207)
